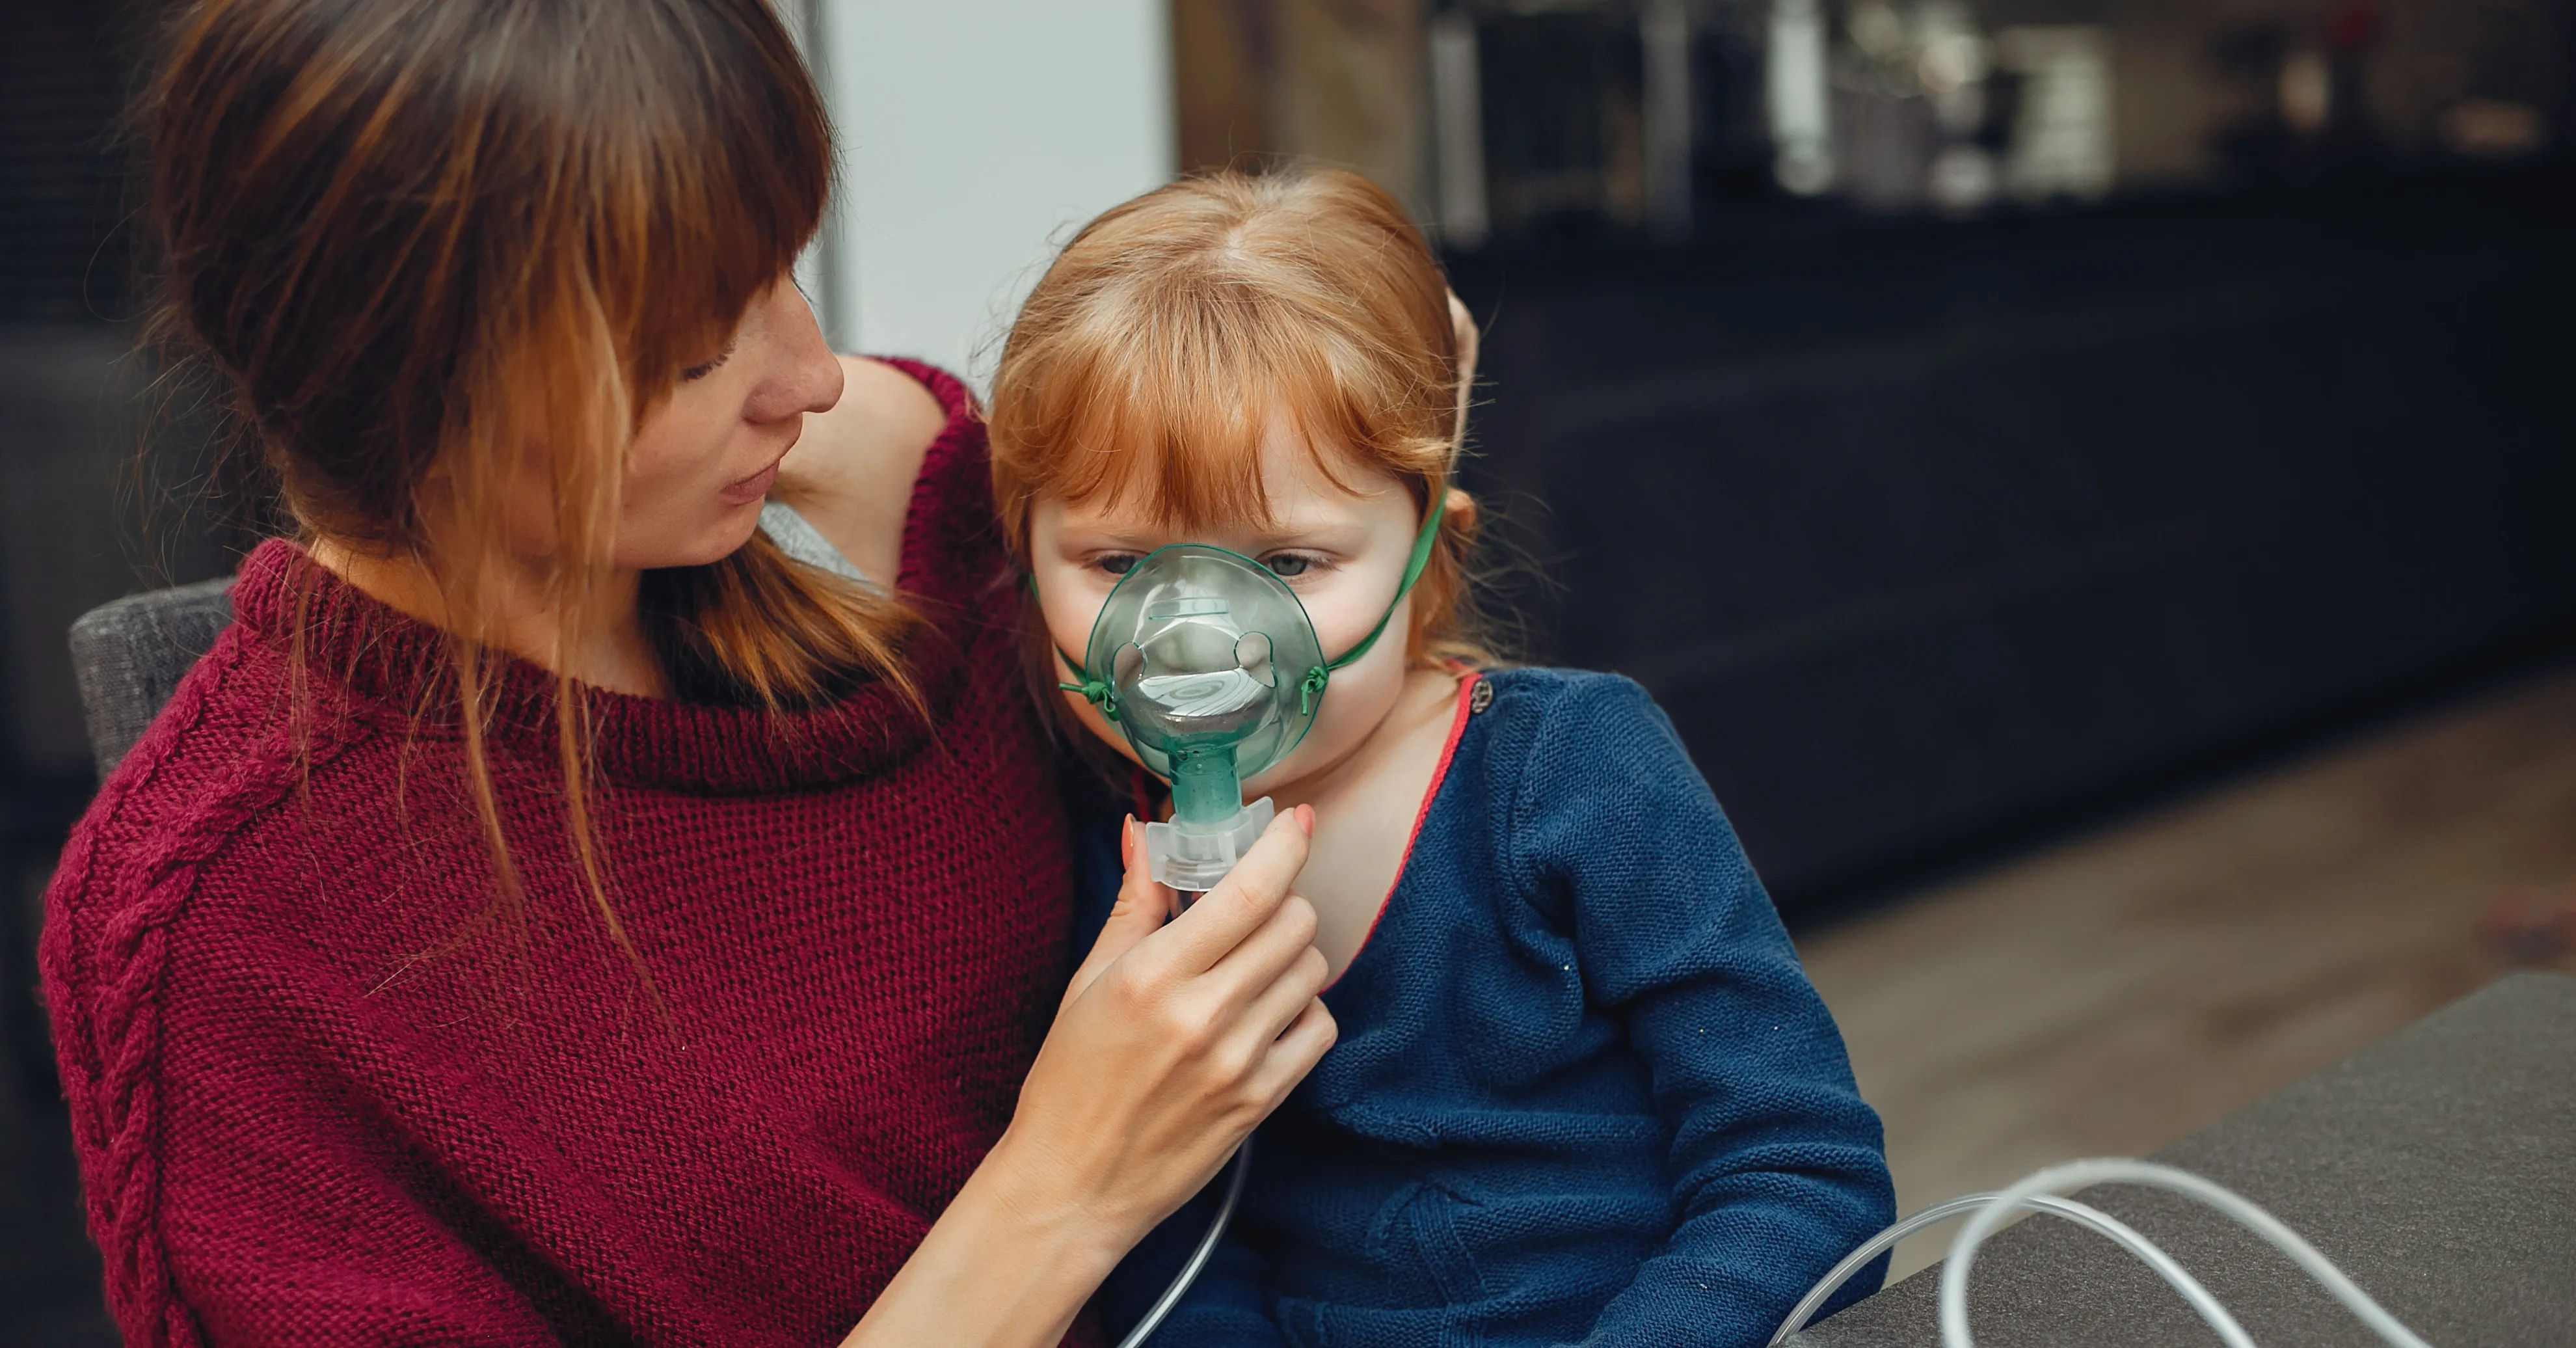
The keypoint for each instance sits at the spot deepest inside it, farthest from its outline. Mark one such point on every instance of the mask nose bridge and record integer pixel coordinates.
(1175, 607)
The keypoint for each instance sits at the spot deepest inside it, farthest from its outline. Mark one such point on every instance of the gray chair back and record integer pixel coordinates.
(130, 655)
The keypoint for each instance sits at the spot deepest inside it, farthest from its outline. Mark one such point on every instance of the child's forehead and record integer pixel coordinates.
(1285, 477)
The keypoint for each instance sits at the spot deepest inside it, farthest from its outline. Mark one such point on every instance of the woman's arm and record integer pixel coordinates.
(1171, 1044)
(851, 472)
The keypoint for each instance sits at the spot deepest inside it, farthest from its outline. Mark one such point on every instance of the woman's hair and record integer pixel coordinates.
(1153, 356)
(433, 245)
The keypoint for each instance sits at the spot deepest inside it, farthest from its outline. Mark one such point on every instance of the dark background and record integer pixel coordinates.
(1936, 530)
(1931, 537)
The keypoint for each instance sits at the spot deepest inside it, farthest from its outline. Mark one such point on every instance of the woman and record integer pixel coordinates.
(550, 914)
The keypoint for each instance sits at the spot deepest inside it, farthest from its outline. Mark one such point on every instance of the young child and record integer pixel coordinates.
(1583, 1091)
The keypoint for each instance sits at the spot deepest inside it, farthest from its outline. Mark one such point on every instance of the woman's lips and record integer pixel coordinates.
(754, 487)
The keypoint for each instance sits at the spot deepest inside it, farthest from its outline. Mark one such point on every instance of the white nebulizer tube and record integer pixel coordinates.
(2041, 1193)
(2084, 1174)
(2229, 1332)
(1199, 1257)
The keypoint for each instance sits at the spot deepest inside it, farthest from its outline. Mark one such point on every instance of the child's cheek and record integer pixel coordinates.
(1355, 704)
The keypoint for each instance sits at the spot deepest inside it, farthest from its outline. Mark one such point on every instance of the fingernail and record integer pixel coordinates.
(1127, 841)
(1306, 819)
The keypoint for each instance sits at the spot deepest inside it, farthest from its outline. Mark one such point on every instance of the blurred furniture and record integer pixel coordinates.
(1936, 538)
(130, 655)
(2433, 1167)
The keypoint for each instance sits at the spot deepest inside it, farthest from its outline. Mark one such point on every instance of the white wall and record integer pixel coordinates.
(973, 135)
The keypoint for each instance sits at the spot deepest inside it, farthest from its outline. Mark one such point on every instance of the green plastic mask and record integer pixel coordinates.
(1208, 664)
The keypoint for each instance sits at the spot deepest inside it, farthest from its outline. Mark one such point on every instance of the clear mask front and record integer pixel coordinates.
(1208, 664)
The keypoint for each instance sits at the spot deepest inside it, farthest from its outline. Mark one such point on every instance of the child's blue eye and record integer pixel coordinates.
(1287, 564)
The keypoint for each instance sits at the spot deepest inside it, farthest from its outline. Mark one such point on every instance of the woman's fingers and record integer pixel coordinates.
(1294, 1053)
(1244, 900)
(1175, 1039)
(1277, 1004)
(1267, 955)
(1141, 910)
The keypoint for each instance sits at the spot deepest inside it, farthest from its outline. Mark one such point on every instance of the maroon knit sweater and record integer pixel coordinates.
(317, 1103)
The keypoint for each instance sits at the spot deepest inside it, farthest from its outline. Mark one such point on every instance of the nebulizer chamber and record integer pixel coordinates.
(1209, 665)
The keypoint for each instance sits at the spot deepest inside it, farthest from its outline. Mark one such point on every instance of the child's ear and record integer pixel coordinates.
(1463, 326)
(1460, 518)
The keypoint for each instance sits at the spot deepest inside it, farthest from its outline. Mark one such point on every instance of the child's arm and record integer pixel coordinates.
(1778, 1167)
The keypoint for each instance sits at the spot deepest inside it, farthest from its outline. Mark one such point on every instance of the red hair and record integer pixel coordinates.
(1154, 354)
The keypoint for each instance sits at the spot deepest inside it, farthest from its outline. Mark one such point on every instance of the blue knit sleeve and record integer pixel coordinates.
(1778, 1168)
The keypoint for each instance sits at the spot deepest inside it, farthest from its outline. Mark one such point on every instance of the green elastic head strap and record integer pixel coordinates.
(1101, 695)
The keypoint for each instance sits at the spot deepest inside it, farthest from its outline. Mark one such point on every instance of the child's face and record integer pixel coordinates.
(1343, 552)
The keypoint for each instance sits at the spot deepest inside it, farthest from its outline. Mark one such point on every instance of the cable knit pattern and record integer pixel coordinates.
(322, 1096)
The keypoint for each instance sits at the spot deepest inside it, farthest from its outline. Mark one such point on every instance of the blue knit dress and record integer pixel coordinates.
(1584, 1094)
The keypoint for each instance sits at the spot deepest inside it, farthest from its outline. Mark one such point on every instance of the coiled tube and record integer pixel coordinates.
(2216, 1315)
(2084, 1174)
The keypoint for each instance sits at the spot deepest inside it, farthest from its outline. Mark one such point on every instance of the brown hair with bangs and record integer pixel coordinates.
(1153, 355)
(423, 241)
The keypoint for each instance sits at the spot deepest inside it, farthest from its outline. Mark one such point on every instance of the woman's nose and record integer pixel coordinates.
(808, 376)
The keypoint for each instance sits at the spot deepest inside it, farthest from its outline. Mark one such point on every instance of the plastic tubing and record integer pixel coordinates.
(2083, 1174)
(1198, 1258)
(2228, 1330)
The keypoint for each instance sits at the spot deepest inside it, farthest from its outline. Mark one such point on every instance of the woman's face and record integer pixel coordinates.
(1343, 552)
(705, 456)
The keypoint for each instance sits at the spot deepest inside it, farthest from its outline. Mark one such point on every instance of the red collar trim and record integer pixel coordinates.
(1467, 682)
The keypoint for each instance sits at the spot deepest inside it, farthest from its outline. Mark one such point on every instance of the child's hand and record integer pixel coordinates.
(1177, 1037)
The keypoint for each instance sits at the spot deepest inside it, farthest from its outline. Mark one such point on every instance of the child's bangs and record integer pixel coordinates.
(1180, 431)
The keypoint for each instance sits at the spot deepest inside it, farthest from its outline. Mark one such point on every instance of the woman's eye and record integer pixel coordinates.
(1287, 565)
(697, 372)
(1117, 564)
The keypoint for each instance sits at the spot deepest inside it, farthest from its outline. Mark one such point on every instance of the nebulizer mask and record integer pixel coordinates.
(1206, 661)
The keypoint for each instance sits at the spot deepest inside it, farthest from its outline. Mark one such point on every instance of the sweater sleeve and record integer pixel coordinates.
(1778, 1167)
(238, 1192)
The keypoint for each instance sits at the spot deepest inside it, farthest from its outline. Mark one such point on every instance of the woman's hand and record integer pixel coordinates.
(1173, 1041)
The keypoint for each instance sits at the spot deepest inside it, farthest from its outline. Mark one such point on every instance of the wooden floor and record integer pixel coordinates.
(2115, 992)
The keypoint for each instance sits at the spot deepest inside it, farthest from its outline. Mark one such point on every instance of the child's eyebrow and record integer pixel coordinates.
(1108, 538)
(1317, 512)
